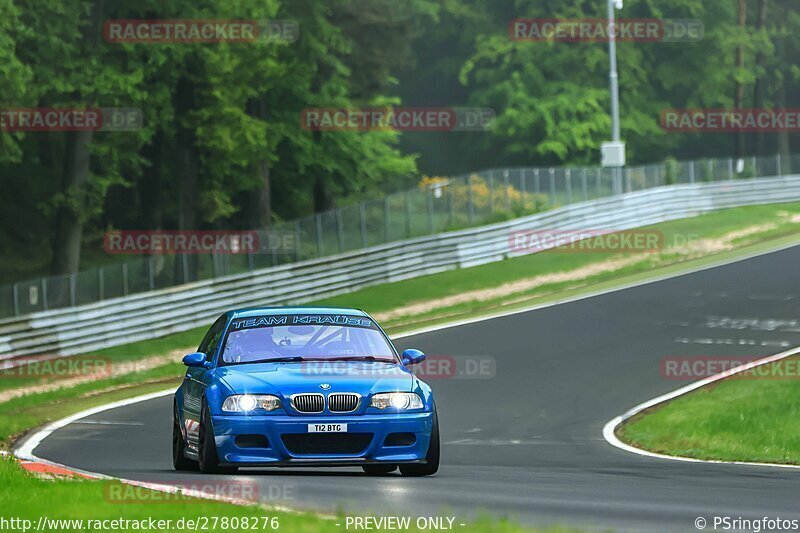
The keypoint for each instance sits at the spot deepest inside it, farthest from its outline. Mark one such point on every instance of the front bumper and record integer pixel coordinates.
(287, 438)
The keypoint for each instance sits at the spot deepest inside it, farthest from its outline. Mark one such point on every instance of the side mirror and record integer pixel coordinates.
(412, 357)
(196, 359)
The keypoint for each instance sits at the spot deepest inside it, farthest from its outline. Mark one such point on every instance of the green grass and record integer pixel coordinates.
(25, 496)
(24, 412)
(742, 418)
(756, 425)
(28, 497)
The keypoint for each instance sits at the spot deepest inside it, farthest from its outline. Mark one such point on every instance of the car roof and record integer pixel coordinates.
(294, 310)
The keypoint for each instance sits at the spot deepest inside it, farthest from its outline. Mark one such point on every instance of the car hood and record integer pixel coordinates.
(291, 378)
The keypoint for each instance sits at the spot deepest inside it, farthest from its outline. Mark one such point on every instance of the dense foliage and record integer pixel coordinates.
(222, 144)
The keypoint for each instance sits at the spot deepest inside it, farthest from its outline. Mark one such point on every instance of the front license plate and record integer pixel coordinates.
(327, 428)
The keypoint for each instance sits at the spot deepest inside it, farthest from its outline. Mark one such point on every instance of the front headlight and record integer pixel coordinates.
(397, 400)
(243, 403)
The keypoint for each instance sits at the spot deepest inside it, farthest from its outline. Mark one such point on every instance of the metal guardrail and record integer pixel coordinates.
(438, 205)
(142, 316)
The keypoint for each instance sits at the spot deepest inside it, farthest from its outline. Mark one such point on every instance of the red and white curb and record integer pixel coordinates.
(24, 452)
(610, 428)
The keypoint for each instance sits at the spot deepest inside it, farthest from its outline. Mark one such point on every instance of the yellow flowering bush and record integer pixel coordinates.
(481, 196)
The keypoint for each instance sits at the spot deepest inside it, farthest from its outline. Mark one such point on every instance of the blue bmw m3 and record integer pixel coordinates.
(302, 386)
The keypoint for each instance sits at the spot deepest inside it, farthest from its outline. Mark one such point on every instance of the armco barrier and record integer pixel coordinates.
(146, 315)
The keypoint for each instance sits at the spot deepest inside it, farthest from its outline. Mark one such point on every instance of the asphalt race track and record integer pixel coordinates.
(527, 441)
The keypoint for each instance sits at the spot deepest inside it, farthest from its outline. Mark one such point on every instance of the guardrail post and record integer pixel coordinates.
(73, 289)
(470, 200)
(339, 233)
(628, 179)
(15, 298)
(552, 186)
(362, 224)
(297, 240)
(691, 171)
(386, 219)
(407, 209)
(100, 283)
(429, 201)
(491, 192)
(185, 264)
(568, 174)
(730, 169)
(151, 274)
(319, 234)
(778, 164)
(583, 184)
(536, 188)
(452, 201)
(598, 174)
(273, 244)
(505, 186)
(44, 294)
(523, 185)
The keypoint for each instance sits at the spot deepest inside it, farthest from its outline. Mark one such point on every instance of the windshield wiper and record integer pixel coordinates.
(278, 360)
(370, 358)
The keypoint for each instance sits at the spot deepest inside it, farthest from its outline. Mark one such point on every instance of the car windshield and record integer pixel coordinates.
(305, 342)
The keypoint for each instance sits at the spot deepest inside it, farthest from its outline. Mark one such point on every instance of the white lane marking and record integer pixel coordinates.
(25, 452)
(711, 341)
(749, 323)
(611, 425)
(770, 298)
(497, 442)
(27, 446)
(571, 299)
(108, 423)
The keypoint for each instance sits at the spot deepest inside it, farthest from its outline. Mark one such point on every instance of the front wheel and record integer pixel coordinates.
(431, 465)
(208, 459)
(179, 460)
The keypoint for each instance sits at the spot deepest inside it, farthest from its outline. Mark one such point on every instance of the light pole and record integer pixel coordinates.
(612, 71)
(613, 153)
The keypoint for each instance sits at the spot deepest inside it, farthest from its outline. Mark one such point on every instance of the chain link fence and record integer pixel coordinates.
(436, 205)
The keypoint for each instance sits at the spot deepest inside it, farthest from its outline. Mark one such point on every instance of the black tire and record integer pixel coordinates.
(379, 470)
(207, 448)
(179, 459)
(431, 464)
